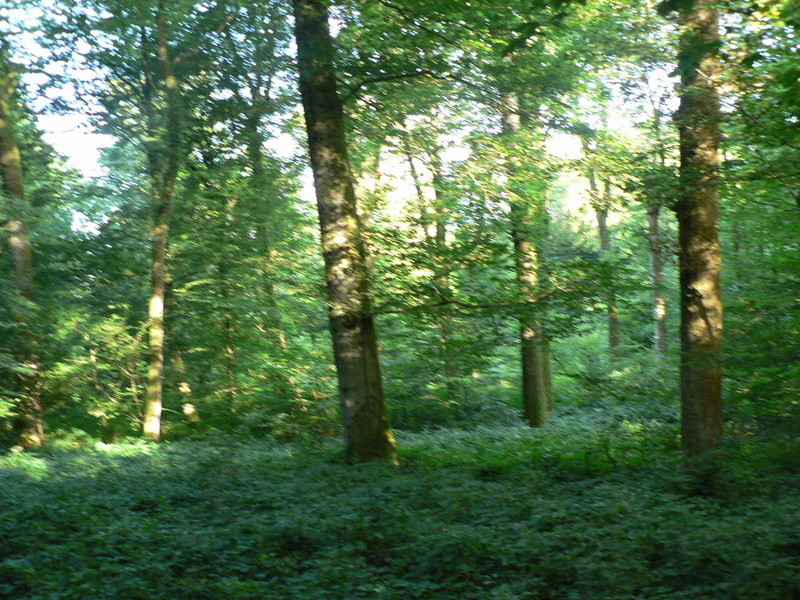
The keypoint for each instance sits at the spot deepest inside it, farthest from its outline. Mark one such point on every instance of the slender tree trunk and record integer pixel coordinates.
(601, 204)
(225, 283)
(158, 286)
(417, 180)
(230, 363)
(366, 426)
(535, 387)
(228, 321)
(442, 276)
(697, 211)
(264, 228)
(656, 249)
(258, 105)
(614, 334)
(437, 240)
(164, 165)
(272, 324)
(657, 278)
(365, 211)
(29, 423)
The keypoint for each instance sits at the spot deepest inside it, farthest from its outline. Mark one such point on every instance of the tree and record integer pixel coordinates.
(526, 218)
(29, 424)
(366, 425)
(163, 164)
(697, 211)
(601, 203)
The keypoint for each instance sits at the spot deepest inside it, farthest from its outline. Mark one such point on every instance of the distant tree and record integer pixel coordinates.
(526, 225)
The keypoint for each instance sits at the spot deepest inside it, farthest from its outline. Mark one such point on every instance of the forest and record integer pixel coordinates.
(390, 299)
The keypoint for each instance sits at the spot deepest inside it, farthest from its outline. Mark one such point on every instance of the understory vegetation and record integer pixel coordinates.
(595, 507)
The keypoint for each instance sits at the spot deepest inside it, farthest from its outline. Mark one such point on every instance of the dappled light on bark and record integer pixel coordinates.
(366, 426)
(699, 250)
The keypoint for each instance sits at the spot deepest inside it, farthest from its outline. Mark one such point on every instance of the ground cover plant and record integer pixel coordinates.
(595, 507)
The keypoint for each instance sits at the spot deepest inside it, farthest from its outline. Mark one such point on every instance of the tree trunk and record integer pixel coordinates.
(535, 387)
(29, 424)
(230, 362)
(272, 324)
(158, 286)
(437, 240)
(601, 204)
(415, 178)
(164, 164)
(547, 373)
(442, 278)
(366, 426)
(614, 334)
(697, 211)
(657, 278)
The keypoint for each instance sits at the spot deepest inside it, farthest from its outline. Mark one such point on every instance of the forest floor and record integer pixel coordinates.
(594, 507)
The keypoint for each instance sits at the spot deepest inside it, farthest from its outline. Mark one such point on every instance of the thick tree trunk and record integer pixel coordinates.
(697, 211)
(164, 165)
(366, 426)
(536, 388)
(657, 279)
(29, 424)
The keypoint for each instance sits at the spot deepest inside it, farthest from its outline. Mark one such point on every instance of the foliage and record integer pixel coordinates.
(250, 497)
(595, 507)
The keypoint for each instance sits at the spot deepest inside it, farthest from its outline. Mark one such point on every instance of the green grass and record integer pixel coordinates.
(595, 507)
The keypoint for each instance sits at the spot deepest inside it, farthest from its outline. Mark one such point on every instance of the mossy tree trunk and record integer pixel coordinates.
(29, 425)
(698, 119)
(164, 158)
(536, 389)
(366, 426)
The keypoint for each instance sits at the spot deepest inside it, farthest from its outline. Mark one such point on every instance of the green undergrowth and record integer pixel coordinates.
(593, 507)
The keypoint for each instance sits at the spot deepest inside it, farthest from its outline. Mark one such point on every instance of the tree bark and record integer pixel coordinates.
(656, 249)
(164, 164)
(230, 362)
(600, 203)
(264, 228)
(612, 308)
(437, 240)
(366, 426)
(417, 180)
(442, 276)
(536, 389)
(29, 424)
(697, 210)
(657, 279)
